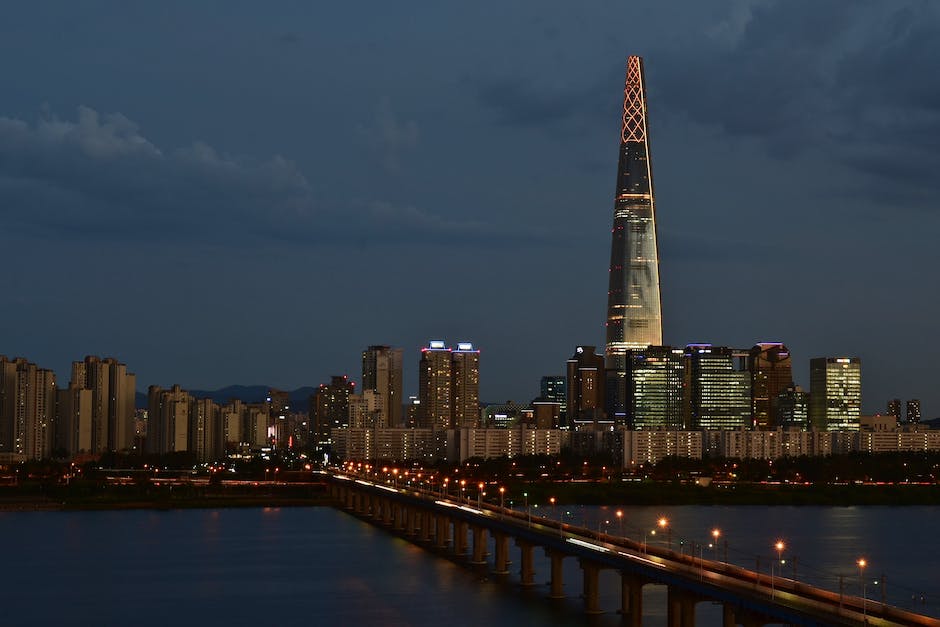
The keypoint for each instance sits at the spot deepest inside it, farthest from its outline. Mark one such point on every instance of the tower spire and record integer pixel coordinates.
(634, 310)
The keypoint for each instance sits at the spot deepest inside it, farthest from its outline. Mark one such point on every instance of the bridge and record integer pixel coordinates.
(464, 529)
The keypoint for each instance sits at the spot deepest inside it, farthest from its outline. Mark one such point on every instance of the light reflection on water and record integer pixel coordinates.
(308, 566)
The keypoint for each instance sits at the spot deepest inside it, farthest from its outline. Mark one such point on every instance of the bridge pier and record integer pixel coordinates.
(526, 569)
(425, 526)
(557, 582)
(591, 571)
(460, 538)
(442, 536)
(479, 545)
(412, 527)
(501, 540)
(680, 608)
(631, 599)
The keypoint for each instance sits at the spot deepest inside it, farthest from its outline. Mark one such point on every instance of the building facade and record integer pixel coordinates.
(382, 373)
(586, 389)
(655, 388)
(771, 372)
(835, 393)
(718, 387)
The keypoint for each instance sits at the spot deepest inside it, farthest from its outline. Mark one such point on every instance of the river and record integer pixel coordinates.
(319, 566)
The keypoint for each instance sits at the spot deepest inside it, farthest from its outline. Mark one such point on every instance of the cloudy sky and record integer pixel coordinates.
(243, 192)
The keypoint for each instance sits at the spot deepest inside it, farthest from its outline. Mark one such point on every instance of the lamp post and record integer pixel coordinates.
(779, 546)
(463, 489)
(552, 501)
(525, 495)
(664, 524)
(480, 495)
(646, 534)
(862, 563)
(620, 521)
(716, 533)
(502, 493)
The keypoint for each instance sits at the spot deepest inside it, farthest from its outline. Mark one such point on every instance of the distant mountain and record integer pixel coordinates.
(299, 398)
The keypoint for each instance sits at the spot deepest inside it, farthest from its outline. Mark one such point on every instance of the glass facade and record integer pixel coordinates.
(771, 373)
(655, 395)
(719, 387)
(835, 393)
(634, 318)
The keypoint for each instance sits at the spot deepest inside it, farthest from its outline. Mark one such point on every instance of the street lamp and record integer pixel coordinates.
(716, 533)
(552, 501)
(480, 495)
(664, 524)
(463, 489)
(861, 580)
(620, 521)
(502, 493)
(525, 496)
(646, 534)
(778, 546)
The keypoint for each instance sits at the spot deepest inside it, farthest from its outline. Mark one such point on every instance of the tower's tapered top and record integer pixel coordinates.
(634, 102)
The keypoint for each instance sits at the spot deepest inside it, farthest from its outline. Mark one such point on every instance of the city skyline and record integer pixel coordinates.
(169, 204)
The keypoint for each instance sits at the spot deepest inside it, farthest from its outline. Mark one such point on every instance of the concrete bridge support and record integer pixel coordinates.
(591, 592)
(557, 581)
(460, 537)
(680, 608)
(425, 535)
(479, 545)
(631, 599)
(526, 568)
(501, 542)
(412, 526)
(442, 536)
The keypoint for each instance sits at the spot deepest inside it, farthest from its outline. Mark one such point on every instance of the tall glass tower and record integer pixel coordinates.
(634, 316)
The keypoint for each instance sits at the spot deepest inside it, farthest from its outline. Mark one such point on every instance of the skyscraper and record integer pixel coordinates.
(894, 409)
(434, 387)
(835, 393)
(381, 373)
(585, 372)
(634, 316)
(465, 370)
(654, 390)
(913, 411)
(718, 387)
(771, 373)
(449, 386)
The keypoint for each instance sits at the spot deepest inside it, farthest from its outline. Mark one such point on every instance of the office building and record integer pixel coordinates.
(718, 387)
(835, 393)
(634, 317)
(654, 388)
(586, 389)
(771, 372)
(792, 408)
(894, 409)
(913, 411)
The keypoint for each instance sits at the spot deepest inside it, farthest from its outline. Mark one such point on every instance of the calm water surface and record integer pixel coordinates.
(318, 566)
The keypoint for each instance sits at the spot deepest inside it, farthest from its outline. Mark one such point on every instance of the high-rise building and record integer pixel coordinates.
(718, 387)
(835, 393)
(73, 420)
(168, 419)
(366, 410)
(913, 411)
(894, 409)
(792, 408)
(382, 373)
(634, 316)
(205, 432)
(771, 373)
(465, 373)
(586, 388)
(113, 401)
(554, 388)
(27, 409)
(654, 388)
(329, 408)
(435, 390)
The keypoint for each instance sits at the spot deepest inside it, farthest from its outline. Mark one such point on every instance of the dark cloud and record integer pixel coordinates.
(100, 174)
